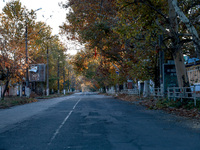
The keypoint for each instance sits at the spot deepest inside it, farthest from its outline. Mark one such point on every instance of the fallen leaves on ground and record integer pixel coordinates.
(14, 100)
(130, 98)
(152, 103)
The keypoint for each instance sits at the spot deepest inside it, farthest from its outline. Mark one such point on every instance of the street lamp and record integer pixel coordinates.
(26, 46)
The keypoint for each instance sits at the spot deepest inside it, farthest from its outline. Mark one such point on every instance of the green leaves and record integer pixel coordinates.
(14, 20)
(124, 32)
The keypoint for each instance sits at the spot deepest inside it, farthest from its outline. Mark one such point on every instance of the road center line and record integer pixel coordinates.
(76, 104)
(64, 121)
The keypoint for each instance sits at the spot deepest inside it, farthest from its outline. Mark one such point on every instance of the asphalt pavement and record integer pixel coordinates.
(87, 121)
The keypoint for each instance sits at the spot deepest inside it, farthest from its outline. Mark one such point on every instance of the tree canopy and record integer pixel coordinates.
(126, 34)
(18, 26)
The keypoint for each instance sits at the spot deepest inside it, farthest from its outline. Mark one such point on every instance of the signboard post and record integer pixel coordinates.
(169, 76)
(37, 73)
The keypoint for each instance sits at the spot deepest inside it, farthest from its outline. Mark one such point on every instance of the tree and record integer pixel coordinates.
(12, 29)
(126, 32)
(97, 25)
(152, 14)
(15, 19)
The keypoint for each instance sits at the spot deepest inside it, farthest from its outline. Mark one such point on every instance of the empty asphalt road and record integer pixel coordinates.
(87, 121)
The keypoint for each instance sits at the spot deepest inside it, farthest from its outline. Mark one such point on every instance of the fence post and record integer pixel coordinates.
(181, 94)
(162, 92)
(20, 94)
(194, 92)
(0, 91)
(174, 93)
(168, 94)
(153, 93)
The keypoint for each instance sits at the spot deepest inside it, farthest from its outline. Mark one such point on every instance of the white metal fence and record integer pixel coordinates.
(157, 92)
(134, 91)
(182, 93)
(172, 93)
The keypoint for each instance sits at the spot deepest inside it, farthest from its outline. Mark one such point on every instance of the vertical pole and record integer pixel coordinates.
(168, 92)
(58, 76)
(26, 47)
(0, 91)
(68, 80)
(27, 91)
(161, 59)
(194, 92)
(181, 94)
(64, 80)
(174, 94)
(20, 94)
(47, 92)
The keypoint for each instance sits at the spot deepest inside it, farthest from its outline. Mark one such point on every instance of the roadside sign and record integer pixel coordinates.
(37, 73)
(169, 76)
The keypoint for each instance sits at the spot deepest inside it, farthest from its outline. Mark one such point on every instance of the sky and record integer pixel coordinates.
(52, 14)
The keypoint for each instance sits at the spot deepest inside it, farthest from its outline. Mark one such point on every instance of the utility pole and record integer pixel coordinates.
(47, 88)
(161, 57)
(68, 80)
(64, 91)
(58, 75)
(26, 39)
(26, 47)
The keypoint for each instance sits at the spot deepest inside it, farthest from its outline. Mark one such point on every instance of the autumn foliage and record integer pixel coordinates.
(123, 36)
(18, 26)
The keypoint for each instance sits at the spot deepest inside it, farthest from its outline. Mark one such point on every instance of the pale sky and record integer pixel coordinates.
(51, 13)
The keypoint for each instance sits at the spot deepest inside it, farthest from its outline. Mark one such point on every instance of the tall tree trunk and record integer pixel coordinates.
(6, 86)
(176, 49)
(5, 89)
(180, 69)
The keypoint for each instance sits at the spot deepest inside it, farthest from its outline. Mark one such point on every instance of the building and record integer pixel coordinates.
(193, 72)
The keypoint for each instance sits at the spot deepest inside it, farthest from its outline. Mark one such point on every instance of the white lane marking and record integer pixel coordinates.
(76, 104)
(64, 121)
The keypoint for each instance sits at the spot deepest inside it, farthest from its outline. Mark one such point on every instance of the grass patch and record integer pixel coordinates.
(164, 103)
(13, 101)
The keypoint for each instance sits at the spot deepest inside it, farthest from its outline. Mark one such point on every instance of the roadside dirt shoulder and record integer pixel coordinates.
(156, 104)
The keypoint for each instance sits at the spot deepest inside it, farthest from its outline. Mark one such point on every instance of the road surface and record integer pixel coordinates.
(87, 121)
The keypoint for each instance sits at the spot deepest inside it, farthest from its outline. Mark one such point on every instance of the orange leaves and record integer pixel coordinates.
(7, 64)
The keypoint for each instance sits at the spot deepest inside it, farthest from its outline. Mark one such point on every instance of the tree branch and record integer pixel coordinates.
(189, 25)
(194, 3)
(161, 27)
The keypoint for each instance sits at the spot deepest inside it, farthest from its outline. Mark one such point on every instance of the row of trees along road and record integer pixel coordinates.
(122, 35)
(13, 22)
